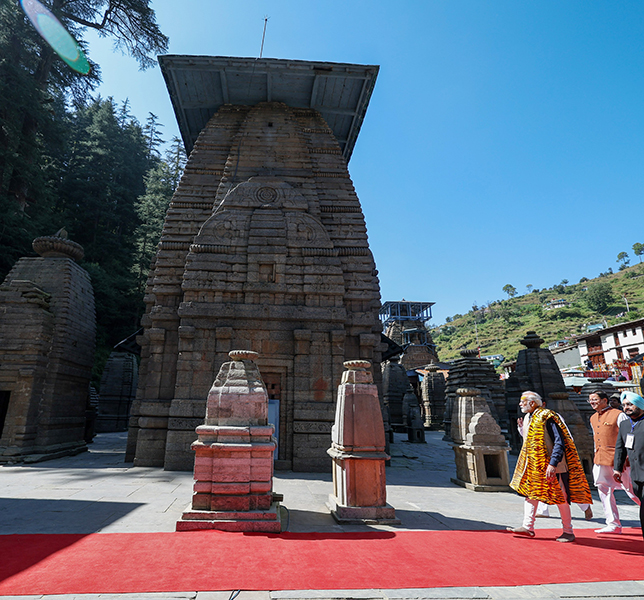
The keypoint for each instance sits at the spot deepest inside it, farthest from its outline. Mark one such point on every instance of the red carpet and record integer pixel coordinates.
(211, 560)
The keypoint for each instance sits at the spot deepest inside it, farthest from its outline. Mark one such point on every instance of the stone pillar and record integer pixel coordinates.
(233, 488)
(394, 384)
(357, 450)
(433, 392)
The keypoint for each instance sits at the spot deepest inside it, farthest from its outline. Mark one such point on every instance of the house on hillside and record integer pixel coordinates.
(556, 303)
(619, 342)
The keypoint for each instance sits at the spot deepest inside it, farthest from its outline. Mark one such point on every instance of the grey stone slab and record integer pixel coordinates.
(450, 593)
(528, 592)
(143, 596)
(243, 595)
(598, 589)
(325, 594)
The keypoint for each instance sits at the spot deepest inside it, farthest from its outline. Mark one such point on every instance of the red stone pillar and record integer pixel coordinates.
(233, 488)
(358, 451)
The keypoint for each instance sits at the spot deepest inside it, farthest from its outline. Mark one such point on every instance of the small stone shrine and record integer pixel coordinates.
(47, 333)
(394, 385)
(433, 393)
(480, 449)
(264, 247)
(470, 371)
(118, 390)
(358, 451)
(233, 488)
(537, 371)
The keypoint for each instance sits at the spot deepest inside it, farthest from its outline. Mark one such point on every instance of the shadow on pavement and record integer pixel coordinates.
(47, 516)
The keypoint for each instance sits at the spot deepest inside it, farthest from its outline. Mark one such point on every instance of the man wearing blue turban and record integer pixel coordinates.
(630, 443)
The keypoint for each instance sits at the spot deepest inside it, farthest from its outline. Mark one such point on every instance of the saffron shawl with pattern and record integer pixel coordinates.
(529, 478)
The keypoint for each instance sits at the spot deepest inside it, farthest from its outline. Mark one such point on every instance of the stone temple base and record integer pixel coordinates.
(380, 515)
(262, 520)
(38, 454)
(475, 487)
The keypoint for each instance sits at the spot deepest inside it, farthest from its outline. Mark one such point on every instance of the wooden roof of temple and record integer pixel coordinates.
(200, 85)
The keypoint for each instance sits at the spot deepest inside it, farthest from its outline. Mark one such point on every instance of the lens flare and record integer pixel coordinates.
(53, 32)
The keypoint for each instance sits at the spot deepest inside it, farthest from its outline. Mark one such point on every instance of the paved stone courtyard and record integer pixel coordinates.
(97, 492)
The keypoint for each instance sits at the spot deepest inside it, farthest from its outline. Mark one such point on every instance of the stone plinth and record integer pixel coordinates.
(47, 334)
(358, 451)
(482, 458)
(233, 488)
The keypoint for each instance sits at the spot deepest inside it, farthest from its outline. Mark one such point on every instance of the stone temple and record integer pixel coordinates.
(47, 334)
(264, 248)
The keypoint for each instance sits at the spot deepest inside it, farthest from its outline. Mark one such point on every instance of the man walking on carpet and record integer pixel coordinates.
(630, 443)
(548, 468)
(605, 423)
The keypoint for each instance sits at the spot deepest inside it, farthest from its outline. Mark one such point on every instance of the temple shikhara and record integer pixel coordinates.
(264, 248)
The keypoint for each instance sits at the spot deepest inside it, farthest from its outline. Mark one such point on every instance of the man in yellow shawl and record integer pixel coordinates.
(548, 469)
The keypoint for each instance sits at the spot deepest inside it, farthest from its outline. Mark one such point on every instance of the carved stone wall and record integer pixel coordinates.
(264, 248)
(47, 333)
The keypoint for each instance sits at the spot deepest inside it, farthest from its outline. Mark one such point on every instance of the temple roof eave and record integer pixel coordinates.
(200, 85)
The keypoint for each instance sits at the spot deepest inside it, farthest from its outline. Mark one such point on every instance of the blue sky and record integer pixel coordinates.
(504, 141)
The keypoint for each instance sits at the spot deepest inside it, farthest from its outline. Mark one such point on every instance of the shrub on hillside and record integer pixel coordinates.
(599, 296)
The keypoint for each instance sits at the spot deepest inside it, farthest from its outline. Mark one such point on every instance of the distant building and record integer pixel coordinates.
(619, 342)
(404, 323)
(566, 356)
(556, 303)
(557, 344)
(495, 359)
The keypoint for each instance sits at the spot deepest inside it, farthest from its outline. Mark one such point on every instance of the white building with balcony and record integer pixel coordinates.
(619, 342)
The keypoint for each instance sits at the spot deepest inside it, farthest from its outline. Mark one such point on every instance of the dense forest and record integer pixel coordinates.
(71, 159)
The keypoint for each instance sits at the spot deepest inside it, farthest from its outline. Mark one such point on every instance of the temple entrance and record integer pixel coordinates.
(273, 383)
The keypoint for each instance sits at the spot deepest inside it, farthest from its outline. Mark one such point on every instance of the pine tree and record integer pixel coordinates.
(34, 87)
(151, 208)
(152, 133)
(103, 177)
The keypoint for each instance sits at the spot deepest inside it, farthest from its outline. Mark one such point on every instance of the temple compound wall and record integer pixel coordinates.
(264, 248)
(47, 334)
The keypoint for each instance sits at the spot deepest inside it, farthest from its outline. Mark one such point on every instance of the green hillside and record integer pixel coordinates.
(501, 324)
